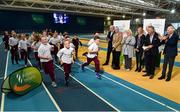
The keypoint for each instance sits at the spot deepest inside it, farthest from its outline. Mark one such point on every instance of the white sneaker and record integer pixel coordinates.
(54, 84)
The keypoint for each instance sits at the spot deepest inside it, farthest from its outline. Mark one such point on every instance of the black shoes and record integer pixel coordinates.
(163, 77)
(145, 75)
(136, 70)
(160, 78)
(151, 77)
(139, 70)
(168, 79)
(115, 68)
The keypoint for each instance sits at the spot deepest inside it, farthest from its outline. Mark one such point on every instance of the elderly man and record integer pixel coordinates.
(151, 44)
(109, 39)
(170, 52)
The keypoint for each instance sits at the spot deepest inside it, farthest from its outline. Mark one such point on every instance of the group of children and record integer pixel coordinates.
(48, 45)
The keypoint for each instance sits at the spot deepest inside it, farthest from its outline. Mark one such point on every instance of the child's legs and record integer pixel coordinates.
(76, 51)
(51, 70)
(25, 57)
(67, 70)
(97, 64)
(89, 60)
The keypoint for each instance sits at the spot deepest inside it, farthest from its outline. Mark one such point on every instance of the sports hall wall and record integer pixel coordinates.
(38, 21)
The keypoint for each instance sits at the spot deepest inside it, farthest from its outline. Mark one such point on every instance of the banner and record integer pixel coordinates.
(158, 24)
(123, 25)
(22, 81)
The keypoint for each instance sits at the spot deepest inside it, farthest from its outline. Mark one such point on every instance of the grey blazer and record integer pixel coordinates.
(128, 46)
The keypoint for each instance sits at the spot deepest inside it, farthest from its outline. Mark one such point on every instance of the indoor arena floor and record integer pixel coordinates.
(116, 91)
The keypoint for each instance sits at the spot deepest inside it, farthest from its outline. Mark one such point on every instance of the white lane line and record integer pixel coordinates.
(91, 91)
(5, 75)
(51, 97)
(152, 99)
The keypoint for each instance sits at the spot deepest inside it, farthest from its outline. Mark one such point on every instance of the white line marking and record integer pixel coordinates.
(91, 91)
(51, 97)
(5, 75)
(135, 91)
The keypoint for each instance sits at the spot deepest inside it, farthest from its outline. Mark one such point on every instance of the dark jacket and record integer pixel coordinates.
(76, 42)
(110, 37)
(155, 42)
(6, 38)
(171, 49)
(141, 43)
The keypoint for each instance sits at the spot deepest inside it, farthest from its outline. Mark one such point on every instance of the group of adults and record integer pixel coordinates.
(147, 49)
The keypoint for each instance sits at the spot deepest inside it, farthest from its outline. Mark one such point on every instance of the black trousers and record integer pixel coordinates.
(109, 50)
(150, 64)
(14, 54)
(158, 60)
(128, 62)
(76, 51)
(6, 44)
(116, 59)
(24, 56)
(170, 61)
(139, 60)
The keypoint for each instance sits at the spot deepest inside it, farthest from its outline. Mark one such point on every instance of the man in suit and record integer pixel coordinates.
(109, 39)
(151, 44)
(170, 52)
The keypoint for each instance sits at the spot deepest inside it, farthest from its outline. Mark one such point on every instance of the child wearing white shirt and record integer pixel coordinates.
(44, 53)
(93, 56)
(65, 56)
(23, 46)
(13, 42)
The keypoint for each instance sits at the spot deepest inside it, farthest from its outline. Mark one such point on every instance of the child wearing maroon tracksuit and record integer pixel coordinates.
(76, 43)
(93, 56)
(44, 53)
(65, 56)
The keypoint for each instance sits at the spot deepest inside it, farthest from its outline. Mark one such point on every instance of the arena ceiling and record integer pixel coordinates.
(114, 8)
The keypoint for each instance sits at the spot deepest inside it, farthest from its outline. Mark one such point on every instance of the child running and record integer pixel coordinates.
(65, 56)
(93, 56)
(44, 53)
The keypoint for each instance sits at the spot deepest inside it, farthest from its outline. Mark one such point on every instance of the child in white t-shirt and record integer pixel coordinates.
(65, 56)
(44, 53)
(93, 56)
(23, 46)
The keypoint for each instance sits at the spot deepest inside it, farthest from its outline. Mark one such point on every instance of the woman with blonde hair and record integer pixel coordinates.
(128, 48)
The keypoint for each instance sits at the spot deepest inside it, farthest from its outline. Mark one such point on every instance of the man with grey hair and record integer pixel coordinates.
(170, 52)
(109, 39)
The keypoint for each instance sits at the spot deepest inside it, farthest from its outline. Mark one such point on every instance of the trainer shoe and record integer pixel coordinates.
(98, 76)
(54, 84)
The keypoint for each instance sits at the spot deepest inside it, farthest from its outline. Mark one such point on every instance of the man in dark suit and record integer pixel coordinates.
(109, 39)
(170, 52)
(151, 44)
